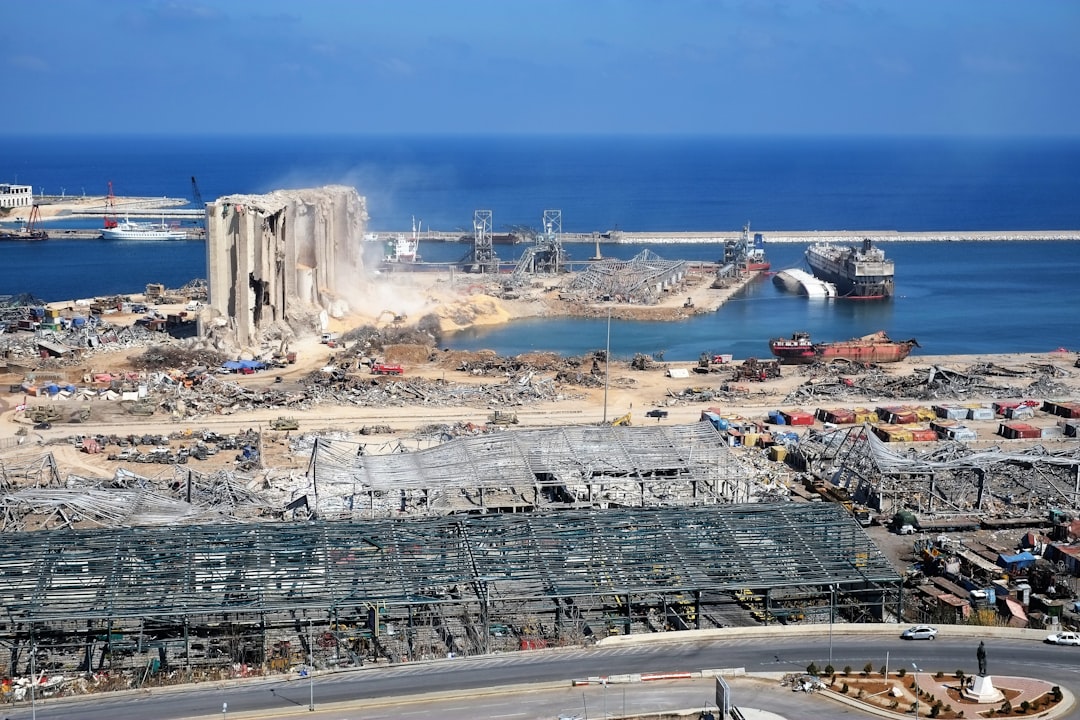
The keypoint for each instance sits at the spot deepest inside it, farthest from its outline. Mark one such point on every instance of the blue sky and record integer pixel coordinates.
(803, 67)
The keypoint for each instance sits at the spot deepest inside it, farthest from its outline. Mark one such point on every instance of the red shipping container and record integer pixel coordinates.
(1019, 431)
(798, 417)
(923, 435)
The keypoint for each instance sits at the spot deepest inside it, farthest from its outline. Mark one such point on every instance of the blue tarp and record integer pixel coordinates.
(1016, 562)
(235, 365)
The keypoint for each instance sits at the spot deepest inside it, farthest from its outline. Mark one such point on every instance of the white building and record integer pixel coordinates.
(13, 196)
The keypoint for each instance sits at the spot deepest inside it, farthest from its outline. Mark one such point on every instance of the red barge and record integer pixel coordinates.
(874, 348)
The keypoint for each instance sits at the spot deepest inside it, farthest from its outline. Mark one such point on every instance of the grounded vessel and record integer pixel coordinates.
(874, 348)
(857, 272)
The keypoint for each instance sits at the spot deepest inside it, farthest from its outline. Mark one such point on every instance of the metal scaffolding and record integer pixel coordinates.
(212, 595)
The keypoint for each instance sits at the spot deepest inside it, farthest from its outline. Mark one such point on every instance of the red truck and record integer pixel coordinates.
(384, 369)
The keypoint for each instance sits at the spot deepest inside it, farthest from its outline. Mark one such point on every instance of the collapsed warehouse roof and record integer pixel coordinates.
(640, 279)
(262, 568)
(583, 466)
(950, 478)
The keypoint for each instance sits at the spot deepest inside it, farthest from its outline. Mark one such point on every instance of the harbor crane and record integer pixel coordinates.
(196, 196)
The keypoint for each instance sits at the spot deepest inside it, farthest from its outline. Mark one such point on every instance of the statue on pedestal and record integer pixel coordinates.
(980, 654)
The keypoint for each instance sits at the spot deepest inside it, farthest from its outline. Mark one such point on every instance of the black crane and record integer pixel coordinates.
(196, 196)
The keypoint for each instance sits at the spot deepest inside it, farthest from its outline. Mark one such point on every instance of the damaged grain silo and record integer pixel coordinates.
(282, 262)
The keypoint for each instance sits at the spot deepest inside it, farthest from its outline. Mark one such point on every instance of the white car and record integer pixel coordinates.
(920, 632)
(1063, 638)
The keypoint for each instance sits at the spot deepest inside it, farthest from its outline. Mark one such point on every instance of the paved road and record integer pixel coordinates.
(390, 691)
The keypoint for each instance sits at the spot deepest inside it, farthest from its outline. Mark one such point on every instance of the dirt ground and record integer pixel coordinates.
(461, 303)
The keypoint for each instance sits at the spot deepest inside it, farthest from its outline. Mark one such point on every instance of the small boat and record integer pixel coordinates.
(128, 230)
(873, 348)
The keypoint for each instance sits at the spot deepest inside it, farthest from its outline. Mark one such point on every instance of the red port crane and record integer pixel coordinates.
(110, 209)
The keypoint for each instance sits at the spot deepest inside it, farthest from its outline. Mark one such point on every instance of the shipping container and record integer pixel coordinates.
(840, 416)
(863, 415)
(1020, 412)
(980, 412)
(1018, 431)
(797, 417)
(892, 433)
(923, 435)
(1062, 409)
(961, 433)
(951, 412)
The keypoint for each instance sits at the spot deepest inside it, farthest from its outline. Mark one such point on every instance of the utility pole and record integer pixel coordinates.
(311, 668)
(916, 689)
(607, 362)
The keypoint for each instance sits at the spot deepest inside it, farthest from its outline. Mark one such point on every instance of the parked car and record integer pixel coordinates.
(1063, 638)
(920, 632)
(46, 425)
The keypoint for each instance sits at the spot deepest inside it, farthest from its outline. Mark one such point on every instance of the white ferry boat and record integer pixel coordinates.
(128, 230)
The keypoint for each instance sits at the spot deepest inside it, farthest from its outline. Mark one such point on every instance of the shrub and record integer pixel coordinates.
(830, 670)
(1025, 706)
(812, 669)
(894, 704)
(860, 693)
(868, 668)
(1056, 693)
(844, 688)
(938, 675)
(901, 672)
(1006, 707)
(959, 674)
(847, 669)
(882, 671)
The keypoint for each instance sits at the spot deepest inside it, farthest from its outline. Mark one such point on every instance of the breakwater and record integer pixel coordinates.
(779, 236)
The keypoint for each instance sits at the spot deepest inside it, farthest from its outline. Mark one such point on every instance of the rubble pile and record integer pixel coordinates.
(842, 381)
(382, 391)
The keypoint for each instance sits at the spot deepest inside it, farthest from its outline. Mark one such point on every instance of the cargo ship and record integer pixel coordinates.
(874, 348)
(857, 272)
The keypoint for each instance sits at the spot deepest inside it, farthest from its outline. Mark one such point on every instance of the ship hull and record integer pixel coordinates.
(856, 273)
(875, 348)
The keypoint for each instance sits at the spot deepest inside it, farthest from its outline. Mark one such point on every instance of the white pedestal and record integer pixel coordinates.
(982, 690)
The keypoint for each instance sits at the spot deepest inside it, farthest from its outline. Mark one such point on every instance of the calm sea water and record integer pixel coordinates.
(953, 297)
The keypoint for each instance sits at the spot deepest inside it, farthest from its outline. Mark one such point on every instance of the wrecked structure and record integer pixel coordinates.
(284, 261)
(948, 479)
(525, 470)
(216, 599)
(639, 280)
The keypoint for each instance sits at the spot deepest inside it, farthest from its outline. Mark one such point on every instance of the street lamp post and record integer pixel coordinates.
(832, 615)
(311, 669)
(607, 361)
(916, 688)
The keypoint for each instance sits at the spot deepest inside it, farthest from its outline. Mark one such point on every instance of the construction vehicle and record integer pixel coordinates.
(284, 423)
(44, 413)
(384, 369)
(395, 319)
(138, 407)
(501, 417)
(760, 370)
(622, 420)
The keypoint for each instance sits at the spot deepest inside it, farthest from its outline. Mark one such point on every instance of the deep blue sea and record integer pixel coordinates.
(952, 297)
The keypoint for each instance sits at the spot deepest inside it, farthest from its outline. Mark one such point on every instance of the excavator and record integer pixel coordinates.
(395, 319)
(622, 420)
